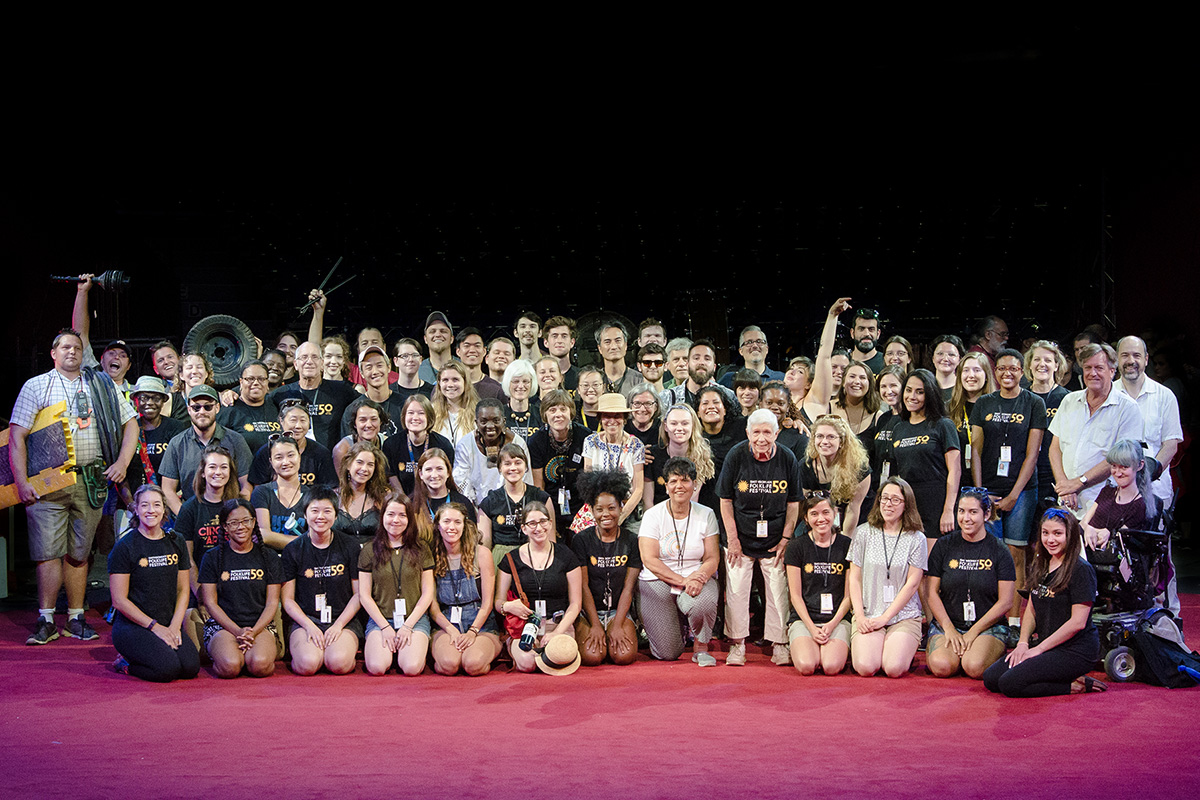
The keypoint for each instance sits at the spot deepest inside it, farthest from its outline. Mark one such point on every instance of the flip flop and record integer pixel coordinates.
(1090, 684)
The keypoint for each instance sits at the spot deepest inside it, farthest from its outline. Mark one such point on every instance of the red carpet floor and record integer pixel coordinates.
(74, 729)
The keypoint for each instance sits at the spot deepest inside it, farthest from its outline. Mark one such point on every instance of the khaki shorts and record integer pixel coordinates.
(912, 627)
(798, 630)
(62, 523)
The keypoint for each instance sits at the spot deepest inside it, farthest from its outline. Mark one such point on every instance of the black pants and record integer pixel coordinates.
(1049, 674)
(149, 657)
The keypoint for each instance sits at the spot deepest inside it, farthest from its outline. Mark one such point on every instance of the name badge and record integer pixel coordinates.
(564, 501)
(889, 593)
(577, 458)
(968, 610)
(539, 608)
(885, 471)
(967, 452)
(826, 602)
(319, 602)
(1002, 468)
(326, 615)
(399, 611)
(455, 615)
(1005, 461)
(761, 529)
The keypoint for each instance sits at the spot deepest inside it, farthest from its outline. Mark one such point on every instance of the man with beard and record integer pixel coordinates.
(252, 415)
(991, 336)
(652, 362)
(613, 339)
(62, 524)
(867, 331)
(702, 364)
(327, 400)
(438, 337)
(1087, 424)
(1162, 432)
(182, 459)
(527, 332)
(752, 344)
(559, 337)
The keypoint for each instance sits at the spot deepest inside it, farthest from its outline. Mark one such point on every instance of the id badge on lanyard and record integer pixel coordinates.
(399, 612)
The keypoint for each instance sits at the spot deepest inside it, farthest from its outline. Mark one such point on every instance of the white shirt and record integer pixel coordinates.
(675, 535)
(1160, 418)
(1084, 437)
(472, 473)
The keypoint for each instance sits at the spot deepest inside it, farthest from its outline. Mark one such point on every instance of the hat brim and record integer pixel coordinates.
(549, 670)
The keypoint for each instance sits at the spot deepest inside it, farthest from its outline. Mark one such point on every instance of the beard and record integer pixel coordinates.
(700, 375)
(865, 344)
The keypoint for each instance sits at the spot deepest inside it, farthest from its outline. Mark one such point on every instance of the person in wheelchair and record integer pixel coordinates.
(1126, 502)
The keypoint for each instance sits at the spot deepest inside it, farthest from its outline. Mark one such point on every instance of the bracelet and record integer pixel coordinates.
(474, 630)
(153, 622)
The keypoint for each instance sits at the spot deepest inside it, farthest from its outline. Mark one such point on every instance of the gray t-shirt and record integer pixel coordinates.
(872, 551)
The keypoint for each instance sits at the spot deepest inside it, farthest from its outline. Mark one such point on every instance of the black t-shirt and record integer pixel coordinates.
(732, 433)
(434, 503)
(241, 580)
(254, 423)
(824, 571)
(793, 440)
(198, 522)
(267, 496)
(158, 439)
(969, 571)
(606, 564)
(919, 456)
(326, 405)
(405, 393)
(549, 584)
(402, 457)
(505, 514)
(316, 467)
(881, 446)
(560, 465)
(647, 437)
(1045, 475)
(153, 567)
(525, 423)
(330, 571)
(1052, 610)
(570, 381)
(391, 405)
(1006, 423)
(759, 490)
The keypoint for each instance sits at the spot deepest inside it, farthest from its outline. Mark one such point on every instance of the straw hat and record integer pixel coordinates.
(560, 656)
(612, 403)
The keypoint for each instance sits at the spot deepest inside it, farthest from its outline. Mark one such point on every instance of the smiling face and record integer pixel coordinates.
(1097, 374)
(762, 440)
(1008, 372)
(308, 361)
(536, 526)
(296, 422)
(612, 425)
(914, 395)
(366, 423)
(827, 440)
(451, 384)
(775, 400)
(1131, 359)
(590, 387)
(889, 390)
(702, 363)
(415, 418)
(285, 460)
(1054, 537)
(970, 516)
(607, 512)
(239, 527)
(891, 504)
(946, 358)
(644, 405)
(149, 405)
(150, 509)
(895, 353)
(549, 376)
(1124, 476)
(407, 360)
(287, 345)
(395, 520)
(470, 350)
(333, 358)
(974, 378)
(512, 468)
(612, 344)
(276, 367)
(490, 423)
(679, 426)
(520, 387)
(437, 337)
(747, 397)
(820, 518)
(527, 332)
(216, 472)
(433, 474)
(375, 371)
(711, 409)
(1043, 365)
(558, 417)
(194, 371)
(753, 348)
(855, 382)
(837, 366)
(166, 363)
(499, 356)
(253, 383)
(680, 488)
(361, 469)
(320, 515)
(116, 363)
(451, 524)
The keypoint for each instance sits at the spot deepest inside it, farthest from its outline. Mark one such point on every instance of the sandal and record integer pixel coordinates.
(1090, 684)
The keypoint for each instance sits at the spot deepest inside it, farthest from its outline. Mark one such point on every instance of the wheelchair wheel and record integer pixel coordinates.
(1119, 664)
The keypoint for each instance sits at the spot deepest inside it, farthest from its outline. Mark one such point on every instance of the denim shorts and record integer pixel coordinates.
(1016, 527)
(998, 631)
(422, 625)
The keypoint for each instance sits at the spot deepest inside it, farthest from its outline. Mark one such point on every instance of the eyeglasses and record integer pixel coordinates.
(754, 343)
(238, 524)
(408, 356)
(890, 500)
(1008, 369)
(975, 491)
(536, 524)
(254, 379)
(281, 437)
(203, 406)
(644, 404)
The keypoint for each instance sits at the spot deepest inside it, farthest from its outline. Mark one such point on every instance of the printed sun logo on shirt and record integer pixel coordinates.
(243, 575)
(1004, 417)
(808, 568)
(308, 573)
(500, 519)
(143, 562)
(970, 564)
(609, 562)
(911, 441)
(763, 487)
(825, 568)
(225, 576)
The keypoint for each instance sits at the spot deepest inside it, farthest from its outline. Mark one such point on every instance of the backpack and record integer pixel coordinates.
(1164, 657)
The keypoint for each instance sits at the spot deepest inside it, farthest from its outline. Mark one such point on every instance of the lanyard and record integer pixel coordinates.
(538, 577)
(687, 524)
(888, 558)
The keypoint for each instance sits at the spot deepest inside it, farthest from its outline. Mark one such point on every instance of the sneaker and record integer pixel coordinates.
(781, 655)
(736, 656)
(77, 628)
(120, 666)
(704, 659)
(45, 633)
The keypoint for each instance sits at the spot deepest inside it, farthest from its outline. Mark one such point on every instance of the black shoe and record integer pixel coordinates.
(45, 633)
(77, 628)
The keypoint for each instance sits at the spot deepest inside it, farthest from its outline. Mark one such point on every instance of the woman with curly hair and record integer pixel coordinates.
(395, 587)
(467, 637)
(975, 379)
(454, 401)
(370, 423)
(362, 489)
(681, 435)
(335, 359)
(611, 563)
(836, 465)
(194, 369)
(1059, 612)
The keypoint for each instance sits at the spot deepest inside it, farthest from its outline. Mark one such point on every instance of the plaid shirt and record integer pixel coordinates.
(43, 391)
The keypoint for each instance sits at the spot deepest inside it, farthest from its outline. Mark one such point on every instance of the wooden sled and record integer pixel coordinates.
(51, 456)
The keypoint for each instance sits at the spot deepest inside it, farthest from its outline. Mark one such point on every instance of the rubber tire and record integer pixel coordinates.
(227, 342)
(1119, 664)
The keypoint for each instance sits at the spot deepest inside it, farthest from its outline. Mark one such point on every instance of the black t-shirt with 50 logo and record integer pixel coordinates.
(153, 567)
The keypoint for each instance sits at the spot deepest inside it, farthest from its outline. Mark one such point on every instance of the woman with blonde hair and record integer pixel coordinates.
(680, 435)
(974, 379)
(1044, 365)
(466, 635)
(454, 401)
(836, 465)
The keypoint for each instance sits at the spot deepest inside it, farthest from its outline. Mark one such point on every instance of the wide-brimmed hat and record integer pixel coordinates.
(612, 403)
(150, 384)
(560, 656)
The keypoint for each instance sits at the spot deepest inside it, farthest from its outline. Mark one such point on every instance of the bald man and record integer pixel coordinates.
(1162, 432)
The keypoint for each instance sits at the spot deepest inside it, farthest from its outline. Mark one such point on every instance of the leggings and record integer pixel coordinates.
(660, 612)
(1046, 675)
(149, 657)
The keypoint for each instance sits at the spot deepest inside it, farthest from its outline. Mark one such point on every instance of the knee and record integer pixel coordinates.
(833, 665)
(866, 668)
(260, 666)
(339, 663)
(227, 667)
(447, 664)
(622, 657)
(939, 665)
(476, 664)
(974, 666)
(896, 670)
(804, 666)
(413, 667)
(305, 664)
(377, 664)
(593, 657)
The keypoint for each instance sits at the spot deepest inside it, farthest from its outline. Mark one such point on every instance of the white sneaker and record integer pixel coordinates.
(781, 654)
(704, 659)
(736, 656)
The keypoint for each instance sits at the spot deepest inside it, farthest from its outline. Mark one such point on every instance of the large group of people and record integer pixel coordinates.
(502, 502)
